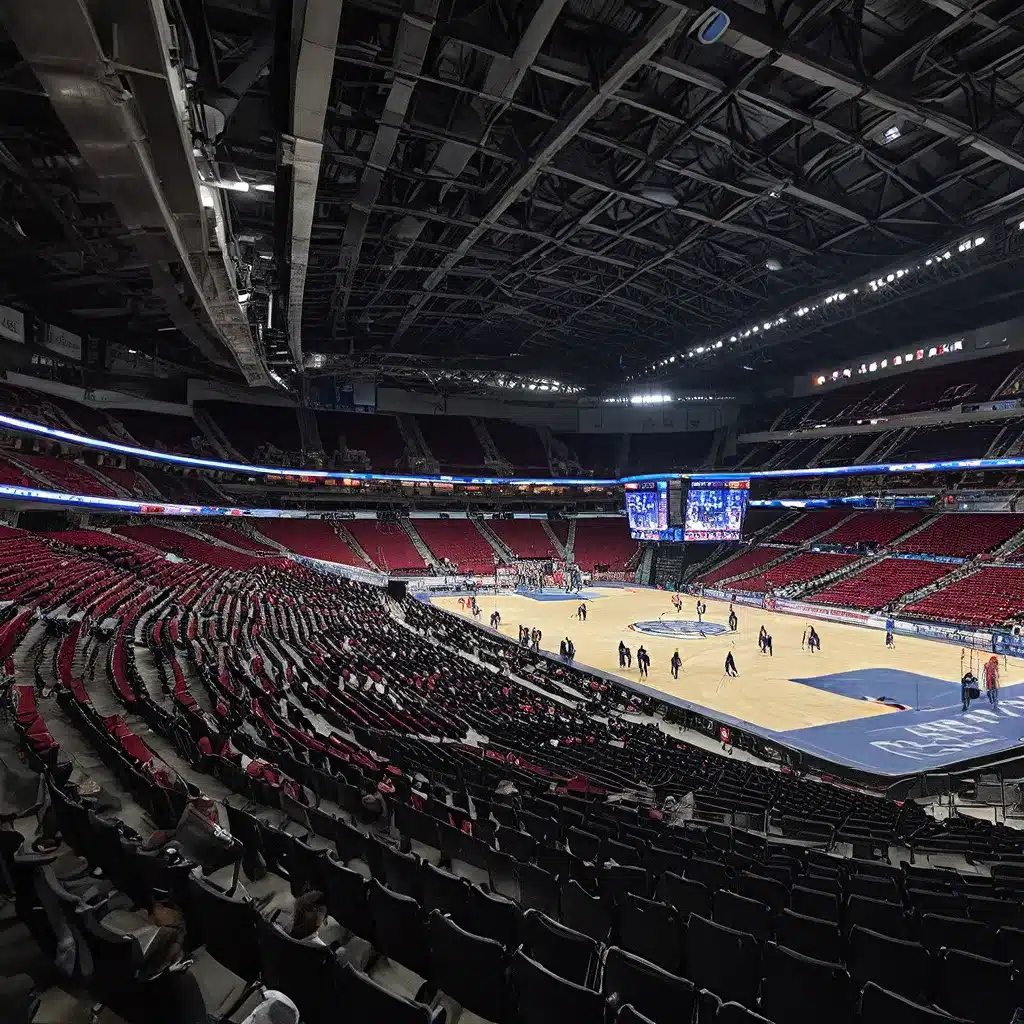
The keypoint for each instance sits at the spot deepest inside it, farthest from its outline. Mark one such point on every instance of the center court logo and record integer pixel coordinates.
(679, 630)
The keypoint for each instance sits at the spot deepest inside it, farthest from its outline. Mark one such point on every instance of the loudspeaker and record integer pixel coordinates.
(396, 589)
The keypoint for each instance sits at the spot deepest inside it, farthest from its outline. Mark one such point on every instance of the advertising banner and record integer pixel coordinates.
(63, 342)
(12, 324)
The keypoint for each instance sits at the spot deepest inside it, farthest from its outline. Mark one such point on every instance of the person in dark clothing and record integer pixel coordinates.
(570, 649)
(676, 663)
(643, 661)
(813, 640)
(730, 665)
(581, 612)
(629, 657)
(622, 655)
(562, 649)
(733, 621)
(768, 645)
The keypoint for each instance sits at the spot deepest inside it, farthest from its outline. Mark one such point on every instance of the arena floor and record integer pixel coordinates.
(823, 703)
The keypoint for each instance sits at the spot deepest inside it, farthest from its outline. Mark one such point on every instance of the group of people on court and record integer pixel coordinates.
(567, 650)
(764, 642)
(530, 637)
(471, 605)
(970, 690)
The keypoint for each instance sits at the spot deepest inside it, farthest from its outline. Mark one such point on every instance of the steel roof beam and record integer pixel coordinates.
(501, 82)
(410, 51)
(662, 28)
(754, 35)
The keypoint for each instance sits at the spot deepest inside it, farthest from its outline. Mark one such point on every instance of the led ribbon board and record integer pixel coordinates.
(65, 436)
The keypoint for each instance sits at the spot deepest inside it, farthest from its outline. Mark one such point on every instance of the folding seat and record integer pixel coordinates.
(956, 933)
(880, 1006)
(686, 895)
(895, 964)
(558, 862)
(873, 886)
(346, 896)
(503, 874)
(443, 891)
(492, 916)
(628, 1014)
(276, 847)
(306, 866)
(723, 960)
(812, 903)
(879, 916)
(415, 825)
(520, 845)
(1010, 944)
(301, 970)
(401, 872)
(977, 988)
(538, 889)
(366, 1000)
(544, 830)
(734, 1013)
(652, 931)
(584, 845)
(622, 853)
(570, 954)
(997, 913)
(615, 883)
(227, 926)
(658, 860)
(351, 844)
(468, 968)
(541, 996)
(583, 912)
(798, 989)
(711, 873)
(660, 996)
(809, 935)
(765, 890)
(397, 928)
(741, 913)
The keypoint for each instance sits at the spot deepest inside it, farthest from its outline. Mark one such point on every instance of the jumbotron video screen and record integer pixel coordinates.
(715, 510)
(647, 507)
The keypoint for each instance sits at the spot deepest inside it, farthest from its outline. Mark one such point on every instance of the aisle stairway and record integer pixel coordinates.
(417, 542)
(559, 547)
(501, 550)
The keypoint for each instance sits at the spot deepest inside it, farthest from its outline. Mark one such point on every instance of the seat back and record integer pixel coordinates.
(398, 930)
(685, 894)
(895, 964)
(722, 960)
(654, 992)
(346, 896)
(583, 912)
(809, 935)
(469, 968)
(652, 931)
(299, 969)
(741, 913)
(570, 954)
(225, 925)
(798, 987)
(366, 1000)
(540, 996)
(880, 1006)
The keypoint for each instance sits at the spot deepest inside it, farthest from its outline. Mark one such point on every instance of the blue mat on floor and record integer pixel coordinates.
(934, 734)
(909, 688)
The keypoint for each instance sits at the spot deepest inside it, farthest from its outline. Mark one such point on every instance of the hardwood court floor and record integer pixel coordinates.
(763, 694)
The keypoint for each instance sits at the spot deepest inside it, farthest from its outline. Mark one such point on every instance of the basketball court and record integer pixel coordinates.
(826, 703)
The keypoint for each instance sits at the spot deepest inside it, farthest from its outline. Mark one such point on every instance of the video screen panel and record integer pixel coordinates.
(647, 506)
(715, 509)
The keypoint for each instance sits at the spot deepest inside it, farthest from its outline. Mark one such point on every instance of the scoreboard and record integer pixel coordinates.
(687, 510)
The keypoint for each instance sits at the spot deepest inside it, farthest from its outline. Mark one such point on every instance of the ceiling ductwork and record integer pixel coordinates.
(111, 84)
(315, 32)
(414, 30)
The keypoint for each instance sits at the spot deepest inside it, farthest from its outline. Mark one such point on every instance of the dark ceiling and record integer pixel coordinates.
(572, 188)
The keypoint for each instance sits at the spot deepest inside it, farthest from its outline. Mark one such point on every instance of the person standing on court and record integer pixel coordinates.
(733, 621)
(730, 665)
(642, 661)
(676, 663)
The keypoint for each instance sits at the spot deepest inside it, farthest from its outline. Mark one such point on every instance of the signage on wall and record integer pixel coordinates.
(12, 324)
(63, 342)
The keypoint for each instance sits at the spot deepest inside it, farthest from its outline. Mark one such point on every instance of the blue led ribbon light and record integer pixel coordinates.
(56, 434)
